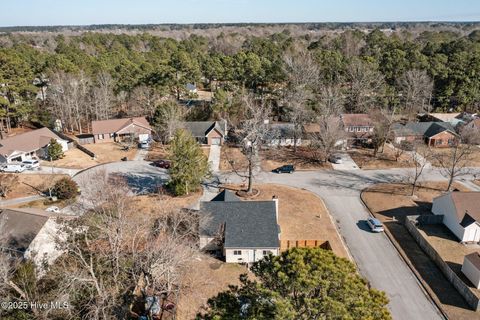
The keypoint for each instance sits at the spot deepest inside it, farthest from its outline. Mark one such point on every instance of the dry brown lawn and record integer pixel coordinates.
(303, 159)
(273, 158)
(32, 184)
(157, 152)
(473, 160)
(389, 202)
(302, 216)
(106, 152)
(365, 159)
(205, 278)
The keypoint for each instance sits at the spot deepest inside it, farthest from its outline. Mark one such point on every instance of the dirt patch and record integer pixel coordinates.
(206, 277)
(230, 156)
(157, 152)
(32, 184)
(106, 152)
(365, 160)
(149, 204)
(302, 216)
(388, 203)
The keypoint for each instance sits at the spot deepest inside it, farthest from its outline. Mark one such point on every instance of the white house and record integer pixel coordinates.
(471, 268)
(243, 231)
(32, 234)
(28, 145)
(461, 214)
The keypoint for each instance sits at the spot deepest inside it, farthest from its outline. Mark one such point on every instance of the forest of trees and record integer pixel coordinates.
(102, 75)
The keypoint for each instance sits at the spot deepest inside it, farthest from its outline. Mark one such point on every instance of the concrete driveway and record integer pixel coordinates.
(376, 257)
(347, 163)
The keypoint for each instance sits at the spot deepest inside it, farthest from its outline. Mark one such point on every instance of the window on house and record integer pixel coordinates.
(101, 137)
(265, 252)
(438, 142)
(237, 252)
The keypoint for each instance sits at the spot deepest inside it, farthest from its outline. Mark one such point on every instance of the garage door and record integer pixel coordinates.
(216, 141)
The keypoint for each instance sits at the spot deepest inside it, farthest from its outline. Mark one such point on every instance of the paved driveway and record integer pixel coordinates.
(347, 163)
(376, 258)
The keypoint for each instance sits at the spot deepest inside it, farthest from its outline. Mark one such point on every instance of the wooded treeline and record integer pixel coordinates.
(99, 75)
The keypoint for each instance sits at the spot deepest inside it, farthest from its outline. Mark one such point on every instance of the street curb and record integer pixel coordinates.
(425, 287)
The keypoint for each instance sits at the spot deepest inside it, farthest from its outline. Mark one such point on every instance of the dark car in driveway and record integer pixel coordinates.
(165, 164)
(288, 168)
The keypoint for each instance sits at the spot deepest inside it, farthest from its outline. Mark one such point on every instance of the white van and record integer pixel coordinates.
(31, 164)
(13, 167)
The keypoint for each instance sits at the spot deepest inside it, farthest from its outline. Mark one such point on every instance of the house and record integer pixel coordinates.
(283, 134)
(191, 88)
(461, 214)
(454, 119)
(434, 134)
(207, 132)
(359, 126)
(244, 231)
(117, 130)
(471, 268)
(30, 233)
(28, 145)
(474, 124)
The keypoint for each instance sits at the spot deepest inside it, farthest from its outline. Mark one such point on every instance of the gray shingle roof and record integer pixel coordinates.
(248, 224)
(226, 195)
(426, 129)
(201, 128)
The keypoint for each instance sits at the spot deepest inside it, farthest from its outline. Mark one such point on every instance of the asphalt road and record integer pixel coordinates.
(376, 257)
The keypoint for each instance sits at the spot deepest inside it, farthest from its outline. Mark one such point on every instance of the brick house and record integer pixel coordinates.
(358, 126)
(434, 134)
(117, 130)
(207, 132)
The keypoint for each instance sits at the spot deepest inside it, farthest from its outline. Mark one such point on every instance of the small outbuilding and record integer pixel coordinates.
(471, 268)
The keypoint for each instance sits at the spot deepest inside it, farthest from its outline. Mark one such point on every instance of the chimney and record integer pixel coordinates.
(275, 199)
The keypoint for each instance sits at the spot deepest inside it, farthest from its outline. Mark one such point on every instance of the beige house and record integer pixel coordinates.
(117, 130)
(207, 132)
(461, 214)
(28, 145)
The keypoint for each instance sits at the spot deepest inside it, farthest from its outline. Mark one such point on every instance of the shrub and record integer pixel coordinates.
(65, 188)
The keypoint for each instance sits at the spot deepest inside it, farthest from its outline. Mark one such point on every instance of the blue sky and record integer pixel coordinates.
(81, 12)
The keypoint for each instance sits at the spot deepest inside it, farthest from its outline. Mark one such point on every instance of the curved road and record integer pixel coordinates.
(376, 257)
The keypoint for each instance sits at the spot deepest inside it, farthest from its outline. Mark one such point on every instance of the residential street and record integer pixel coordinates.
(376, 257)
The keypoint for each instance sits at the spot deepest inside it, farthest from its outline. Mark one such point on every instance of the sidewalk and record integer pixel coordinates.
(12, 202)
(52, 170)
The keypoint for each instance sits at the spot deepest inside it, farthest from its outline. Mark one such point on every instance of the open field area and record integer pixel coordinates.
(365, 159)
(106, 152)
(32, 184)
(388, 202)
(473, 159)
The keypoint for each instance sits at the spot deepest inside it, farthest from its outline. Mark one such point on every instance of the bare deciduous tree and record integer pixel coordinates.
(7, 182)
(454, 163)
(416, 89)
(382, 119)
(103, 96)
(420, 157)
(302, 75)
(366, 86)
(168, 118)
(252, 133)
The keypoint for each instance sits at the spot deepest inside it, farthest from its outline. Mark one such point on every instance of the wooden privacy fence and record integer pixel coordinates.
(288, 244)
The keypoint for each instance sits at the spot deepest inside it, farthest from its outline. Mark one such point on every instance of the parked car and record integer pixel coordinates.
(375, 225)
(144, 145)
(162, 164)
(336, 159)
(53, 209)
(13, 167)
(31, 164)
(288, 168)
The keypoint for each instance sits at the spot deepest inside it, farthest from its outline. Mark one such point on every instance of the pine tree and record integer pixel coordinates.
(54, 150)
(189, 164)
(301, 283)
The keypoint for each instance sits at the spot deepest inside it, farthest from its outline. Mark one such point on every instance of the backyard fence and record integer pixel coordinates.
(289, 244)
